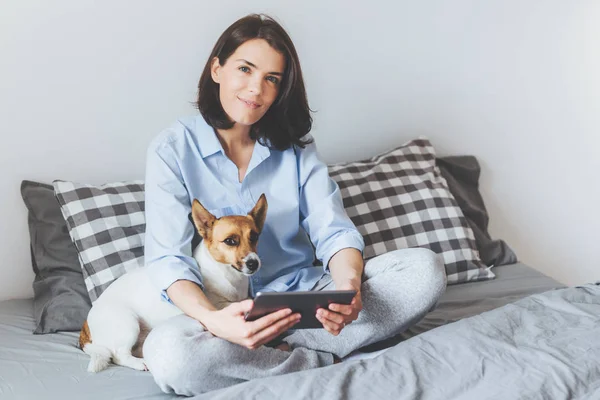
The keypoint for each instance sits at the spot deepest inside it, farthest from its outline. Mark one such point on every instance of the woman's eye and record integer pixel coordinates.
(230, 242)
(244, 69)
(273, 79)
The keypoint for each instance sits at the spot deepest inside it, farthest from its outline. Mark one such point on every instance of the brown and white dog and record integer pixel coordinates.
(130, 307)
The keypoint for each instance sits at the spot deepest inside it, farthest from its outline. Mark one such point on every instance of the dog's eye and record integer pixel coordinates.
(230, 242)
(253, 237)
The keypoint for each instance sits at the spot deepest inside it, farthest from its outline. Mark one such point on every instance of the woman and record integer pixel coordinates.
(252, 138)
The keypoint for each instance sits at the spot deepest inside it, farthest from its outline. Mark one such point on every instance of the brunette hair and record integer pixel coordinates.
(288, 119)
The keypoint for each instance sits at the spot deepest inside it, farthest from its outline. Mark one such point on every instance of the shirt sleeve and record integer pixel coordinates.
(322, 213)
(168, 237)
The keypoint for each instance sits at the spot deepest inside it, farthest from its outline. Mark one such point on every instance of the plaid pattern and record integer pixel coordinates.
(399, 199)
(107, 224)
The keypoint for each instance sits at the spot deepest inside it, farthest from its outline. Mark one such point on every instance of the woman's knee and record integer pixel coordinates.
(427, 268)
(434, 274)
(433, 269)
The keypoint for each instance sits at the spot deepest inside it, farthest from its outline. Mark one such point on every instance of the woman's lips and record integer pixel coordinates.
(250, 104)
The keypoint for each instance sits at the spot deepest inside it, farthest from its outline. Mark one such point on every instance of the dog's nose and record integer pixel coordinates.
(252, 264)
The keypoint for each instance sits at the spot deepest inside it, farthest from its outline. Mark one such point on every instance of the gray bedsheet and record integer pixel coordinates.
(545, 346)
(50, 366)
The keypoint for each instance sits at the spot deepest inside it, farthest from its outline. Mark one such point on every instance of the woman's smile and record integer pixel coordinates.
(251, 104)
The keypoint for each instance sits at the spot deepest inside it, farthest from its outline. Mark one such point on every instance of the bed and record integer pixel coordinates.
(502, 329)
(38, 366)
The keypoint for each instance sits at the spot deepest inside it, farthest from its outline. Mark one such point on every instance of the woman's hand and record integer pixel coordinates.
(346, 268)
(229, 324)
(338, 316)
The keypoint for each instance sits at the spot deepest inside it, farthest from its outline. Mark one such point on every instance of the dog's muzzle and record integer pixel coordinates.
(251, 264)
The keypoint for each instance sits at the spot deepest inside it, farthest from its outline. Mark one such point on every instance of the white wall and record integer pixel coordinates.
(85, 85)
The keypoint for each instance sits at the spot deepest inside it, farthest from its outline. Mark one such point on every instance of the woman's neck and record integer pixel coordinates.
(237, 137)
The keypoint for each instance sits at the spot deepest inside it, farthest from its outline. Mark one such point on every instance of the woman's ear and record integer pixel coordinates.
(214, 69)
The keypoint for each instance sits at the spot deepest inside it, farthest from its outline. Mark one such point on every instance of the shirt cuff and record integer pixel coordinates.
(166, 276)
(347, 239)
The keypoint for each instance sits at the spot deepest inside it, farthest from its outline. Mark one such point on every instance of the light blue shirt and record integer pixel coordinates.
(187, 161)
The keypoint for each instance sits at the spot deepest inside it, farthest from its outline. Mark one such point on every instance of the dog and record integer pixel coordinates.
(131, 306)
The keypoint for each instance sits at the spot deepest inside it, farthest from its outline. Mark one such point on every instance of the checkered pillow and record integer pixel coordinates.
(399, 199)
(107, 224)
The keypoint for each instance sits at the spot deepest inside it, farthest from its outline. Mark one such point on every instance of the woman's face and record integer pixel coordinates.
(249, 80)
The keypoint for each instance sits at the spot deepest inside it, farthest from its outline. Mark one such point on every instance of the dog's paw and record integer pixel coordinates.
(138, 364)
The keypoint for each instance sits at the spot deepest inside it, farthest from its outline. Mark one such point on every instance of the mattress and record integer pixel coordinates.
(51, 366)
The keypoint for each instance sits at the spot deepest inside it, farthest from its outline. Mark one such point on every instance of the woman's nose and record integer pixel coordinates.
(255, 86)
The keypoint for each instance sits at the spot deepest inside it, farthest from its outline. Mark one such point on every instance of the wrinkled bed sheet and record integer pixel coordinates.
(546, 346)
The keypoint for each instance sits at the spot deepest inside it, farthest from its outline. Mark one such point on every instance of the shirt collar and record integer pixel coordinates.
(261, 151)
(209, 143)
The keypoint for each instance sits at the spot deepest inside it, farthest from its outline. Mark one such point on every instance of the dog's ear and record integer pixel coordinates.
(202, 218)
(259, 212)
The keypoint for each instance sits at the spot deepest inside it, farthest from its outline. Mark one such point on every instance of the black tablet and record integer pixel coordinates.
(306, 303)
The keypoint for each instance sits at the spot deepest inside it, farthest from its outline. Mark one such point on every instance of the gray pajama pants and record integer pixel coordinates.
(398, 289)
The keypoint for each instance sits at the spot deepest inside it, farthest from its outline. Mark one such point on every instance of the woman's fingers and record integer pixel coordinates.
(268, 320)
(270, 332)
(331, 316)
(275, 334)
(333, 326)
(341, 308)
(336, 319)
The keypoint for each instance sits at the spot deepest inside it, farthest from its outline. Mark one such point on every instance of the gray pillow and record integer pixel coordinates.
(60, 299)
(462, 175)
